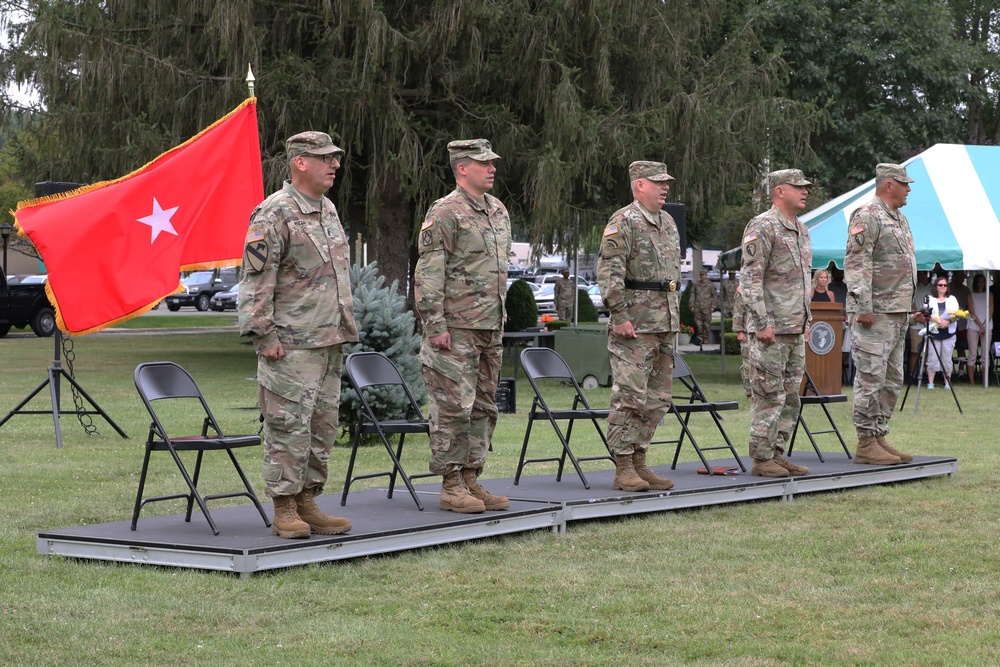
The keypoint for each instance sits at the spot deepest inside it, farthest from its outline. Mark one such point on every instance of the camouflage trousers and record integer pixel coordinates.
(642, 370)
(565, 313)
(461, 390)
(878, 360)
(299, 397)
(703, 324)
(745, 367)
(775, 375)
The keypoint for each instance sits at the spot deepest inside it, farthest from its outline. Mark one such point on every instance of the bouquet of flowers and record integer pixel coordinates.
(959, 314)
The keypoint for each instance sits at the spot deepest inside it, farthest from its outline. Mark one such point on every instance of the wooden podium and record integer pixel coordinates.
(824, 360)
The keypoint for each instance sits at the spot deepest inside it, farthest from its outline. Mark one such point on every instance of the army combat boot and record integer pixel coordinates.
(455, 497)
(767, 468)
(869, 452)
(792, 469)
(491, 502)
(286, 522)
(319, 521)
(626, 478)
(656, 483)
(905, 458)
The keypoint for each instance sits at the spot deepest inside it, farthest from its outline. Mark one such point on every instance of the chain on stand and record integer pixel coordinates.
(85, 421)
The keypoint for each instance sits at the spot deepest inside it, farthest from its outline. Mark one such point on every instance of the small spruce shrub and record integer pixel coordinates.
(585, 310)
(522, 311)
(384, 325)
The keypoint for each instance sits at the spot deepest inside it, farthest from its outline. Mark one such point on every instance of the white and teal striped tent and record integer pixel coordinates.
(953, 209)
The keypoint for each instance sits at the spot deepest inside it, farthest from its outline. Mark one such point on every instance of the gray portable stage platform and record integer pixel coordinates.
(384, 525)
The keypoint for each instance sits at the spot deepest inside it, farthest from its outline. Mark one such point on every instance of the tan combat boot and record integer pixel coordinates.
(767, 468)
(319, 521)
(491, 502)
(287, 523)
(905, 458)
(656, 483)
(626, 478)
(792, 469)
(456, 498)
(869, 452)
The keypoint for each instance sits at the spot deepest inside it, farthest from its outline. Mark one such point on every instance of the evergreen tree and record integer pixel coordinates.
(522, 311)
(386, 326)
(569, 92)
(585, 310)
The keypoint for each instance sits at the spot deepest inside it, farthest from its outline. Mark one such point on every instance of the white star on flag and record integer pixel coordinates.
(159, 220)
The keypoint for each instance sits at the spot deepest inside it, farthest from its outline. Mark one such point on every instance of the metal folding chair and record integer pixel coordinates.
(543, 363)
(366, 370)
(161, 381)
(810, 396)
(697, 401)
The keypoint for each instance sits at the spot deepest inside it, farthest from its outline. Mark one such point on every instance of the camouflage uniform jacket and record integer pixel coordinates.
(729, 295)
(301, 295)
(460, 280)
(643, 246)
(775, 278)
(702, 296)
(563, 292)
(739, 312)
(880, 266)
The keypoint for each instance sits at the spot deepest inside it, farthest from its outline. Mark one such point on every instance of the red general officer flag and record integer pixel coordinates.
(114, 249)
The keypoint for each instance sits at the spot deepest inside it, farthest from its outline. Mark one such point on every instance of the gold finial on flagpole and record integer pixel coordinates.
(250, 80)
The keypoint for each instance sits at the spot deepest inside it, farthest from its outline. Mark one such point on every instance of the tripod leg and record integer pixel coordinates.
(54, 392)
(27, 400)
(93, 403)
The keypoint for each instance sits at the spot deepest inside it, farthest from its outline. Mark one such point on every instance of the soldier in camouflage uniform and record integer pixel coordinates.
(460, 284)
(776, 285)
(701, 305)
(295, 304)
(739, 326)
(881, 272)
(565, 291)
(729, 287)
(638, 270)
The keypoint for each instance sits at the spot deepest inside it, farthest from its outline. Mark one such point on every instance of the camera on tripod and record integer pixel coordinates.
(926, 311)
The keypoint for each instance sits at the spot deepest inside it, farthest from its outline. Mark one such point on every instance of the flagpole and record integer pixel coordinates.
(250, 80)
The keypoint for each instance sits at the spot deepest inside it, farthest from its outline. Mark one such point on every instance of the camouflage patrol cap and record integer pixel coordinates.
(651, 171)
(896, 172)
(310, 143)
(787, 177)
(475, 149)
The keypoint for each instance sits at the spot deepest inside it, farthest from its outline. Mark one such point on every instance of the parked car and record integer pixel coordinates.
(40, 279)
(551, 278)
(201, 286)
(595, 298)
(226, 300)
(545, 298)
(534, 286)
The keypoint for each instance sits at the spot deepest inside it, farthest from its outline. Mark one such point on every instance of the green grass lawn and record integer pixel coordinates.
(903, 574)
(150, 321)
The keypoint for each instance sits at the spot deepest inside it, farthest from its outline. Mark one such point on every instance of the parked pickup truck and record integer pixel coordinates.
(25, 304)
(201, 286)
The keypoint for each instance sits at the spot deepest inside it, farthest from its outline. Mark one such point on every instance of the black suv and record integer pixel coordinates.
(25, 304)
(201, 286)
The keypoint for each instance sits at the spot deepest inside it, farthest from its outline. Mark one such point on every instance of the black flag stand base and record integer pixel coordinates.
(56, 372)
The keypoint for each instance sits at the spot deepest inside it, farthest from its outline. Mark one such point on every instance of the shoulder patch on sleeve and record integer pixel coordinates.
(857, 229)
(752, 236)
(428, 223)
(611, 229)
(255, 254)
(255, 235)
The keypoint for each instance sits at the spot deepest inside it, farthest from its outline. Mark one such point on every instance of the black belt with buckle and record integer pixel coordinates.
(657, 285)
